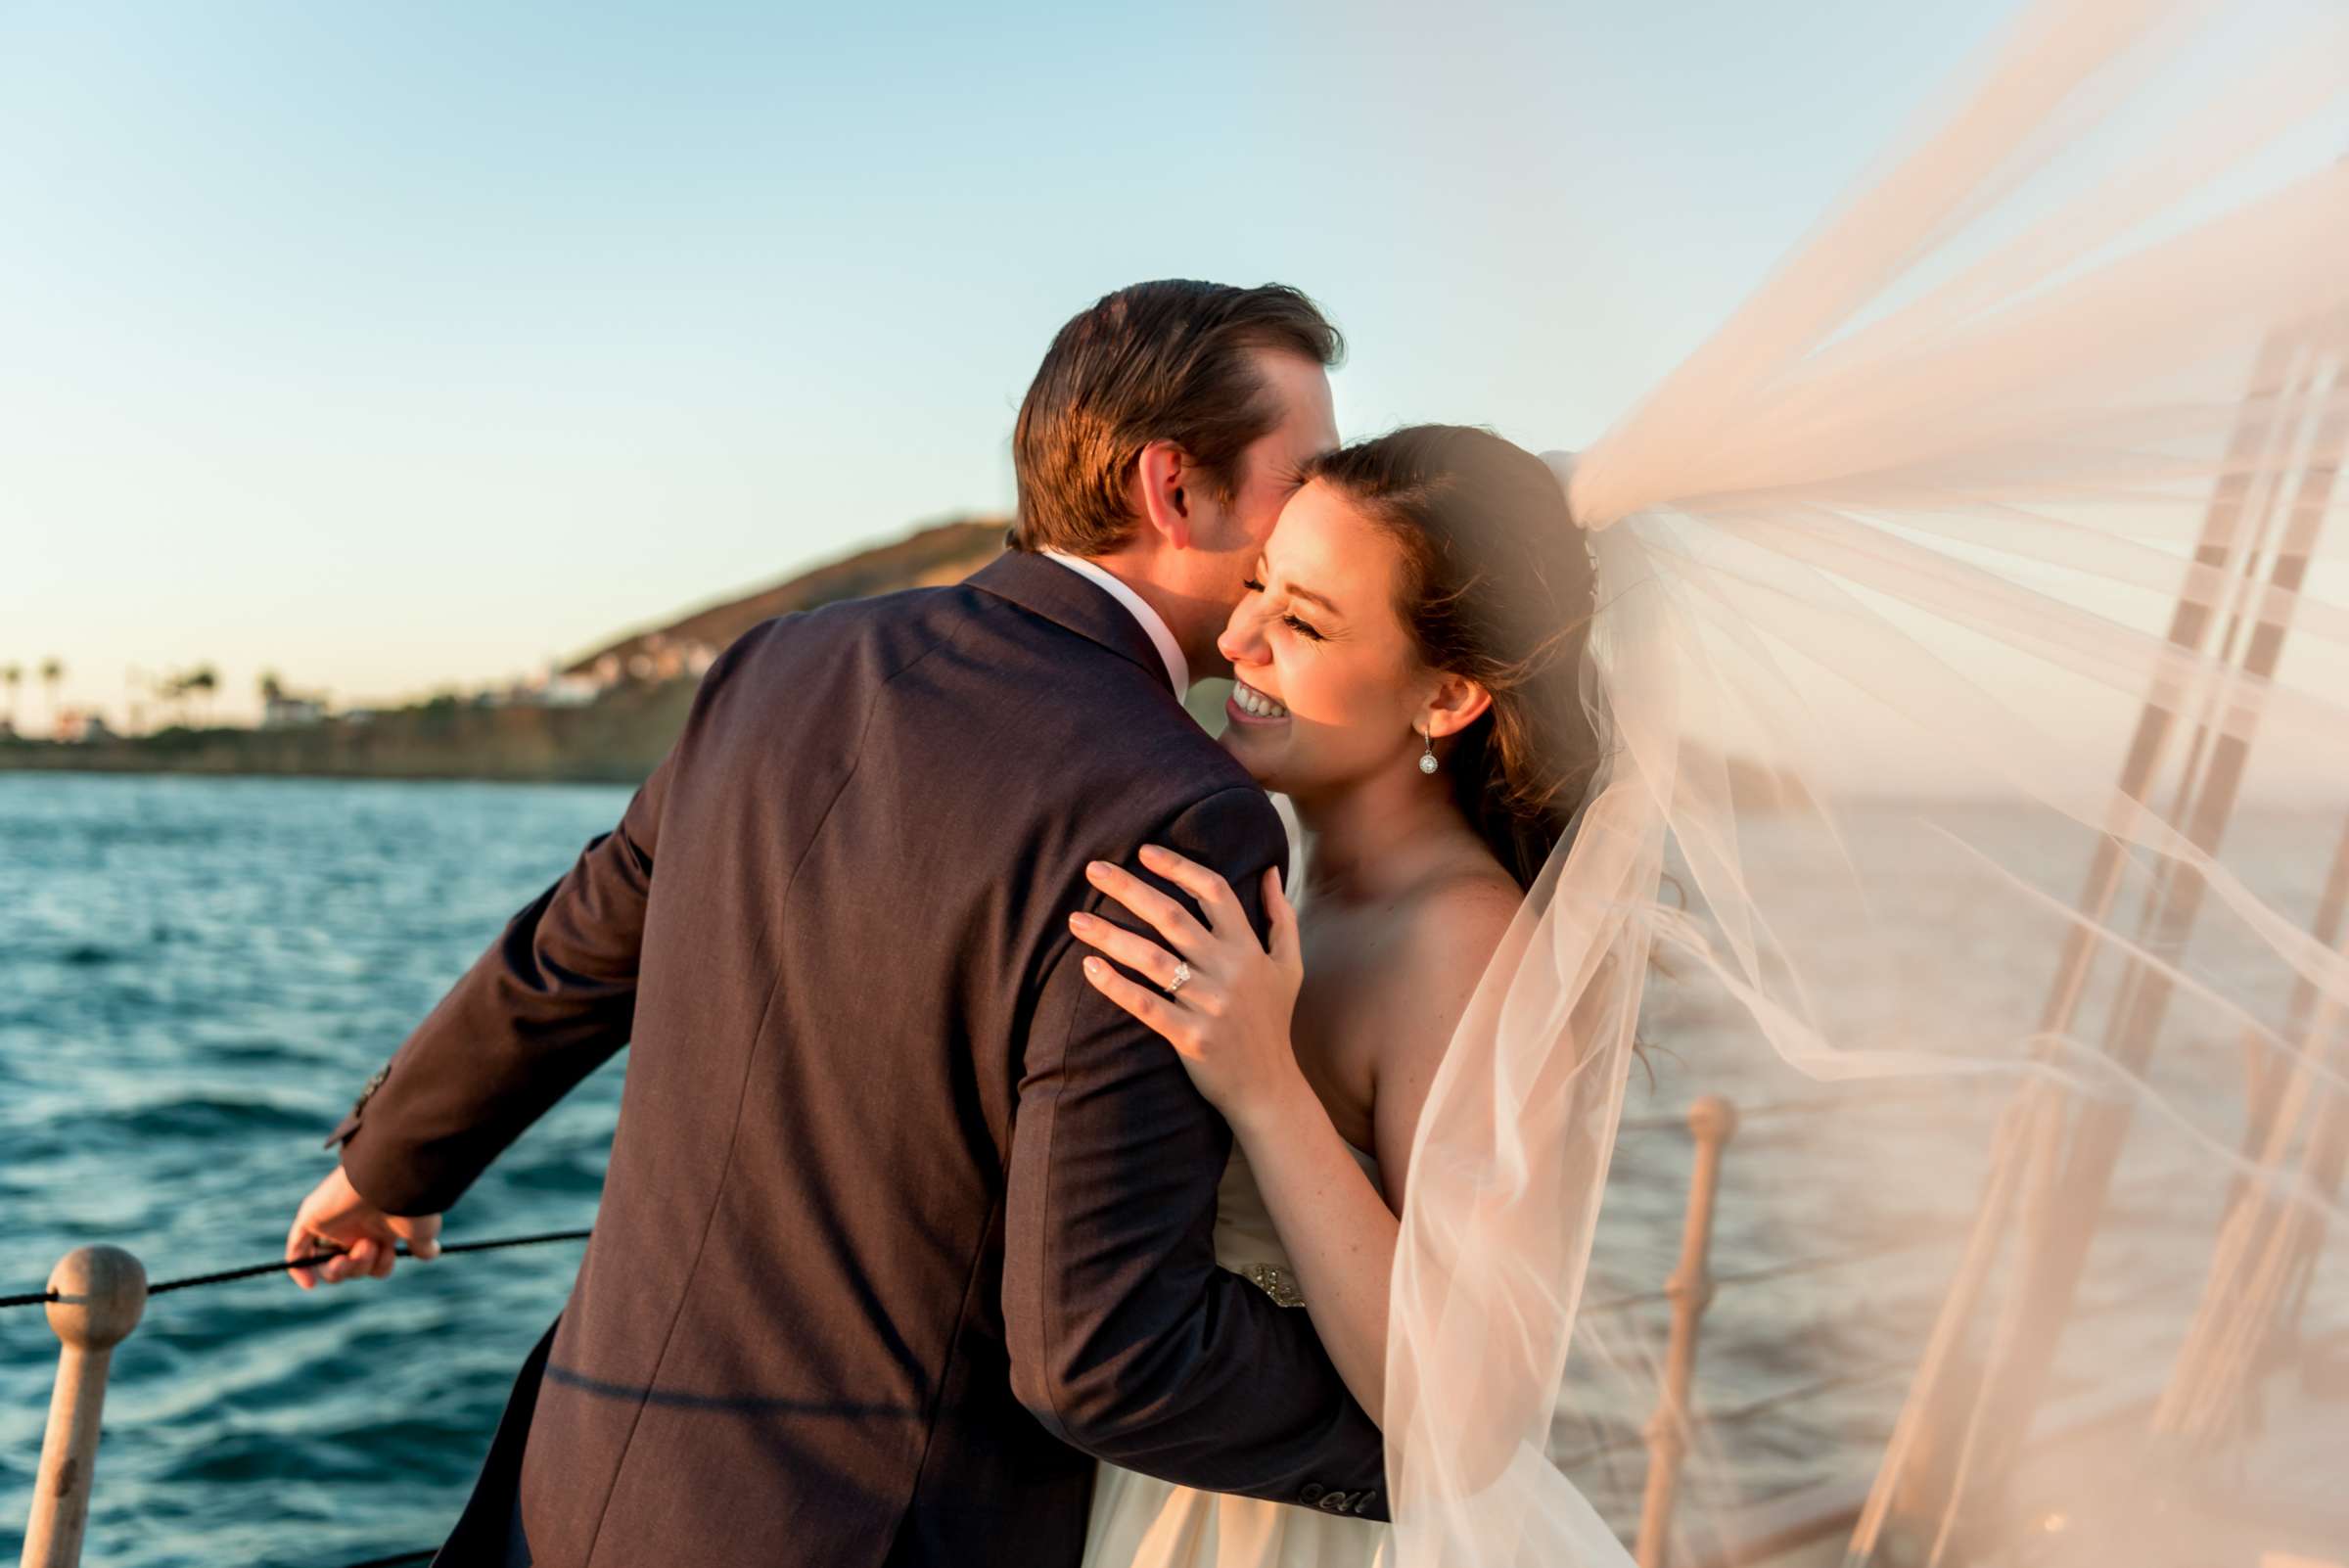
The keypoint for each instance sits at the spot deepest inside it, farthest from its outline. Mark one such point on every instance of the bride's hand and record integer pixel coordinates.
(1229, 1019)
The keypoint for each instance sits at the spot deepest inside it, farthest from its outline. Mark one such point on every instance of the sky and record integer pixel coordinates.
(395, 347)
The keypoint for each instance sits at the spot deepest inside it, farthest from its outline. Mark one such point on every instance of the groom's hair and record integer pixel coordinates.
(1154, 361)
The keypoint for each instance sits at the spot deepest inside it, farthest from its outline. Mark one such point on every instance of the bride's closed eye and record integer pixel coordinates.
(1292, 621)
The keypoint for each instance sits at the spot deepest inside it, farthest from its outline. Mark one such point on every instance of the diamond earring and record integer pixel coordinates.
(1427, 756)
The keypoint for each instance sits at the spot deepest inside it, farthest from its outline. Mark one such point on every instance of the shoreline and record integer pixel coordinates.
(619, 739)
(227, 775)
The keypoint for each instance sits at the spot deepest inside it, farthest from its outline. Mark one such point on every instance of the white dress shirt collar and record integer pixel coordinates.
(1179, 669)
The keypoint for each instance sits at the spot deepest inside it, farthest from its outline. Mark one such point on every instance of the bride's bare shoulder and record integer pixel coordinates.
(1455, 923)
(1400, 1010)
(1385, 986)
(1413, 976)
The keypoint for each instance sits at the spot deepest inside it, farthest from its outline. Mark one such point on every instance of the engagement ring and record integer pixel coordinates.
(1183, 976)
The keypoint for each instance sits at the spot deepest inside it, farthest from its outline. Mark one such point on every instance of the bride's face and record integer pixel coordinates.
(1330, 682)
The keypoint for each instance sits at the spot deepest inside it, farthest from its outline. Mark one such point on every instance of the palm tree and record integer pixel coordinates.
(171, 690)
(53, 675)
(204, 680)
(13, 676)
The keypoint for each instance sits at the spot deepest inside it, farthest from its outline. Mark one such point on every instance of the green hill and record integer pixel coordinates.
(946, 553)
(641, 686)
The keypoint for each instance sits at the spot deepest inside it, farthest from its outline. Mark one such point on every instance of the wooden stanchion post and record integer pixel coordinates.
(1713, 1120)
(100, 1291)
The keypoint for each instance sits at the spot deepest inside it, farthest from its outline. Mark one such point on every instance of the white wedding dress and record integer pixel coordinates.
(1139, 1521)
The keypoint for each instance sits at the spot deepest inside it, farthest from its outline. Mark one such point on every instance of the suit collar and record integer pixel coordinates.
(1161, 636)
(1066, 599)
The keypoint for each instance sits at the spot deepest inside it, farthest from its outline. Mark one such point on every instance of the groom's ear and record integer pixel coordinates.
(1164, 477)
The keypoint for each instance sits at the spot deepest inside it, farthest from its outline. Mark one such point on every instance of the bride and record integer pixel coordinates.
(2083, 337)
(1407, 661)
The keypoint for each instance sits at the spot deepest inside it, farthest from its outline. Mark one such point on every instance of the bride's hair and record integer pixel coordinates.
(1497, 586)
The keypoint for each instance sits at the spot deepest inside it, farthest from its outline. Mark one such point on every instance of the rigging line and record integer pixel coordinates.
(1854, 1378)
(1814, 1105)
(1818, 1263)
(1873, 1373)
(43, 1296)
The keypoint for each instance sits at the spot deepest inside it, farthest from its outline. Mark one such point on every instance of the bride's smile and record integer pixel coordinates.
(1248, 706)
(1331, 688)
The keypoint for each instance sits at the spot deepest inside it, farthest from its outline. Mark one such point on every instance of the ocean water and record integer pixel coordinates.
(196, 976)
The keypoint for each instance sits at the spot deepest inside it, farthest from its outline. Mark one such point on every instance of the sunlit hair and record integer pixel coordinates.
(1497, 586)
(1155, 361)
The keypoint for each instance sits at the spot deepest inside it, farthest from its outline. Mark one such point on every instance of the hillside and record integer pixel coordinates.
(947, 552)
(628, 698)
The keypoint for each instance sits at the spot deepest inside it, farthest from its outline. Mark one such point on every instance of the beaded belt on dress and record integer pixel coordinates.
(1274, 1281)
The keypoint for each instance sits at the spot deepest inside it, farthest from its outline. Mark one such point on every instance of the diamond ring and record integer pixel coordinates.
(1183, 976)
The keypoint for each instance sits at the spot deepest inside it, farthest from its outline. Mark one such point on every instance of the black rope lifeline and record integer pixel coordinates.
(1624, 1438)
(1931, 1236)
(40, 1298)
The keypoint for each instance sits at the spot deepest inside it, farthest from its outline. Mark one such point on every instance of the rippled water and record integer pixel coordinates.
(197, 975)
(195, 978)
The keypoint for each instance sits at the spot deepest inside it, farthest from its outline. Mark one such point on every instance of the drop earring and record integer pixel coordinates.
(1427, 756)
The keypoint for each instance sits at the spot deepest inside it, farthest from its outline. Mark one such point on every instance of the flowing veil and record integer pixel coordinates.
(2018, 470)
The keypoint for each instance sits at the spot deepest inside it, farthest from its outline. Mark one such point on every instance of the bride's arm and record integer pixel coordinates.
(1229, 1022)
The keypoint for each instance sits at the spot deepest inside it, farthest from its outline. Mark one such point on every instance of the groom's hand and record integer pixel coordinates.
(333, 1215)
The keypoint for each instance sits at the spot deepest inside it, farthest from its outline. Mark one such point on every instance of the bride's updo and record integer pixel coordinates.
(1497, 586)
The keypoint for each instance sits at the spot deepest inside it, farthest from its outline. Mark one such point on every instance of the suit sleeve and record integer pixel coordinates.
(1126, 1340)
(553, 999)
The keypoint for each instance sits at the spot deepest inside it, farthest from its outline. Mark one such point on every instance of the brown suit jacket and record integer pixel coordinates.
(904, 1221)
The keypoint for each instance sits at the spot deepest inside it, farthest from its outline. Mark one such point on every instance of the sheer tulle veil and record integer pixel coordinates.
(2064, 378)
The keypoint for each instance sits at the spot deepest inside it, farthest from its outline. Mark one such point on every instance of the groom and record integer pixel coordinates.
(904, 1221)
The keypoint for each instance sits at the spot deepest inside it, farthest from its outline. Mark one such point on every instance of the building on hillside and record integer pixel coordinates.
(567, 691)
(291, 709)
(657, 657)
(551, 688)
(79, 726)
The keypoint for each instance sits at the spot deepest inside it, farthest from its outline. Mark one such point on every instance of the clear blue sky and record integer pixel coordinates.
(390, 347)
